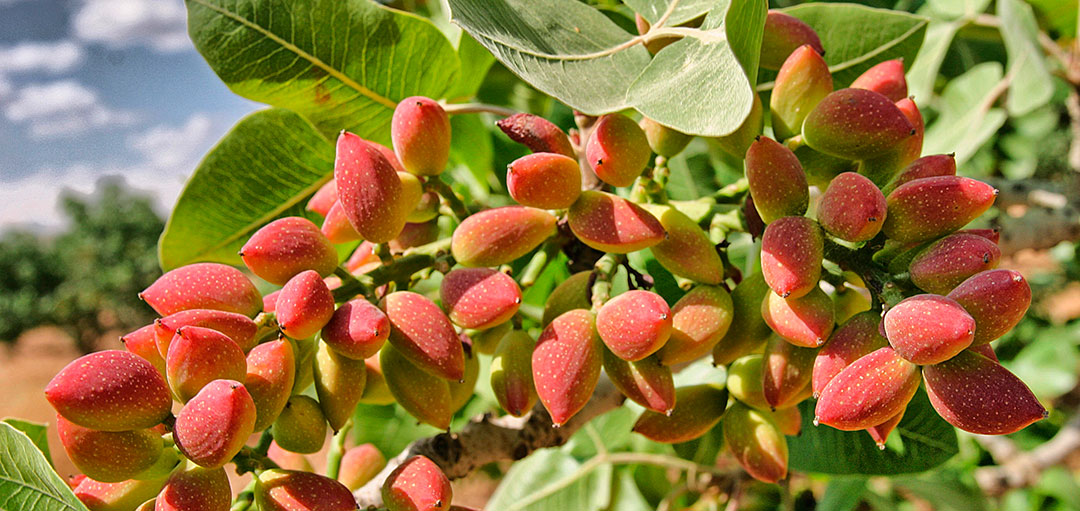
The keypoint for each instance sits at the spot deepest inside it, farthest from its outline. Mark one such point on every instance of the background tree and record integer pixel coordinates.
(86, 279)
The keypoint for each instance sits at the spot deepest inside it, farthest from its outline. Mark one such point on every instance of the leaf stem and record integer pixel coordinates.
(452, 200)
(667, 14)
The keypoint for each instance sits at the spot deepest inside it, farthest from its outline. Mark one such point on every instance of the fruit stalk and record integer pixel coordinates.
(604, 270)
(337, 450)
(452, 200)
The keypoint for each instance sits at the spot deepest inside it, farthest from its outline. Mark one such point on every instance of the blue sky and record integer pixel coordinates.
(95, 88)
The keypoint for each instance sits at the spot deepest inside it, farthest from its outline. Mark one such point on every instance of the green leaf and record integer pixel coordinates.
(704, 72)
(471, 148)
(1048, 364)
(856, 37)
(686, 10)
(967, 117)
(475, 62)
(265, 168)
(1032, 86)
(343, 64)
(924, 72)
(625, 495)
(928, 442)
(37, 432)
(613, 429)
(563, 47)
(550, 479)
(842, 494)
(388, 427)
(27, 481)
(664, 282)
(690, 178)
(947, 489)
(952, 9)
(1060, 15)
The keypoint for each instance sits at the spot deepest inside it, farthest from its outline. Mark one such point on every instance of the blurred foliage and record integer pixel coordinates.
(85, 279)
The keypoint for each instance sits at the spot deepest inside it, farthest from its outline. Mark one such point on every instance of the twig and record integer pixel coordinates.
(477, 108)
(488, 439)
(1017, 469)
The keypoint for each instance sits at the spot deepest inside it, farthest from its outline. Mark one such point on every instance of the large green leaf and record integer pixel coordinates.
(343, 64)
(577, 55)
(265, 168)
(856, 37)
(842, 494)
(1032, 84)
(928, 441)
(968, 118)
(953, 9)
(390, 428)
(475, 62)
(562, 47)
(706, 73)
(923, 72)
(574, 53)
(685, 10)
(27, 481)
(36, 432)
(551, 479)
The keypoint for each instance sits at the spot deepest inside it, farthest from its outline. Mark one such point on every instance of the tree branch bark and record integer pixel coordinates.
(1018, 469)
(487, 439)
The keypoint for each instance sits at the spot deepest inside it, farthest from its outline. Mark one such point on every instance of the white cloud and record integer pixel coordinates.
(61, 108)
(168, 148)
(5, 86)
(167, 155)
(51, 57)
(160, 24)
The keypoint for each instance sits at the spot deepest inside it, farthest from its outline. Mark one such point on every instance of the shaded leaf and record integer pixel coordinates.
(968, 118)
(388, 427)
(475, 62)
(928, 442)
(842, 494)
(1031, 85)
(924, 71)
(947, 489)
(471, 147)
(1048, 364)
